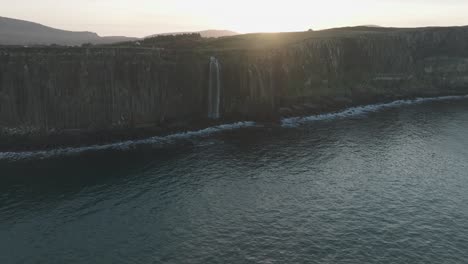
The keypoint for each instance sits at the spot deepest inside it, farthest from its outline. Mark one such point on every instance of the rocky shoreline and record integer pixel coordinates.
(37, 141)
(54, 96)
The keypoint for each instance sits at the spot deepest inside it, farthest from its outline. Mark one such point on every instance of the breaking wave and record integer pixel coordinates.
(363, 110)
(173, 138)
(125, 145)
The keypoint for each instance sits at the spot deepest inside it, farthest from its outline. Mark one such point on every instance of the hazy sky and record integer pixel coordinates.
(145, 17)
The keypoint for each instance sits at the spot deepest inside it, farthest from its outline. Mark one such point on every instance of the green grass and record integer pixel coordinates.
(246, 41)
(256, 41)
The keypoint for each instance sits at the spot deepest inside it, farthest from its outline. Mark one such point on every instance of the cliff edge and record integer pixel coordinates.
(103, 89)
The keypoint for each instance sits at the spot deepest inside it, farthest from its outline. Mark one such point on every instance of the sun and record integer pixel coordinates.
(271, 16)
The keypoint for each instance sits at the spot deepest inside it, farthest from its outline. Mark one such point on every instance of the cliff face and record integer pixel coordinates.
(97, 88)
(54, 89)
(347, 70)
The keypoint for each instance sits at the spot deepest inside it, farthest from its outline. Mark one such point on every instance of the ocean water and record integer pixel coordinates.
(377, 184)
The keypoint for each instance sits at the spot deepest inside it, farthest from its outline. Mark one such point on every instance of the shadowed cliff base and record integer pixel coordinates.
(75, 96)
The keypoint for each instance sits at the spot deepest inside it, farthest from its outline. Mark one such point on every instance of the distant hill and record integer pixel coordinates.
(212, 33)
(371, 26)
(217, 33)
(20, 32)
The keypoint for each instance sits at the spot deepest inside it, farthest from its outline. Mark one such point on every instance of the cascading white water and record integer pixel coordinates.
(214, 89)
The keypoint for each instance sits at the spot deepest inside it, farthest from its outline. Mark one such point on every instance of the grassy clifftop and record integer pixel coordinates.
(257, 41)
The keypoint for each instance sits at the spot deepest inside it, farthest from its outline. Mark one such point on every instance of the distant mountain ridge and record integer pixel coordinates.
(21, 32)
(371, 26)
(212, 33)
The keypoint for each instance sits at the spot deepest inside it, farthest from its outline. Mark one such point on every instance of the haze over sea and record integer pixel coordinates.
(377, 184)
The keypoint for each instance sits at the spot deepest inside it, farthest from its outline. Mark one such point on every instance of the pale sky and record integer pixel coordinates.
(145, 17)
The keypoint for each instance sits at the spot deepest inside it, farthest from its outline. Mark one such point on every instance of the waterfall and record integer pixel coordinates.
(214, 89)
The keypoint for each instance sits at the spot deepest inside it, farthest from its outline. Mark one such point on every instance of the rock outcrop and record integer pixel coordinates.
(51, 90)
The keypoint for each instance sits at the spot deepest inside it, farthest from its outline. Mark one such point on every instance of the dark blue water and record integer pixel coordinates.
(384, 187)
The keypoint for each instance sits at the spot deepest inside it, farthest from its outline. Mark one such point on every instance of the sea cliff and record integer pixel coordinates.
(133, 91)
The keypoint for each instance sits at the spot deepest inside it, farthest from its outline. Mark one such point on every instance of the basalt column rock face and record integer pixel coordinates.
(60, 89)
(326, 73)
(51, 89)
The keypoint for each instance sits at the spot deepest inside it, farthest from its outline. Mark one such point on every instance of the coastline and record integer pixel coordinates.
(55, 97)
(59, 146)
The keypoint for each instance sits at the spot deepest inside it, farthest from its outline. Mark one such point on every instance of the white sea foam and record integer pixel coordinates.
(163, 140)
(363, 110)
